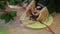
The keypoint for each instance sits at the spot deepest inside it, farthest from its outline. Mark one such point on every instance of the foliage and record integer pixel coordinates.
(3, 15)
(13, 13)
(6, 17)
(2, 4)
(12, 2)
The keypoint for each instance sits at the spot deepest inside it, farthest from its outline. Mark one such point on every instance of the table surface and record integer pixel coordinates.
(15, 26)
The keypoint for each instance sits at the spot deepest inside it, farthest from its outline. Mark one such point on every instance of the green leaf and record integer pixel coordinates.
(13, 2)
(3, 15)
(7, 19)
(13, 13)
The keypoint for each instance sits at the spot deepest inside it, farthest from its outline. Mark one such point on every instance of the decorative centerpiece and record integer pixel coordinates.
(36, 16)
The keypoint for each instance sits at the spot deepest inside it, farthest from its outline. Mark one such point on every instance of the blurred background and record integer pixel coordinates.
(11, 10)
